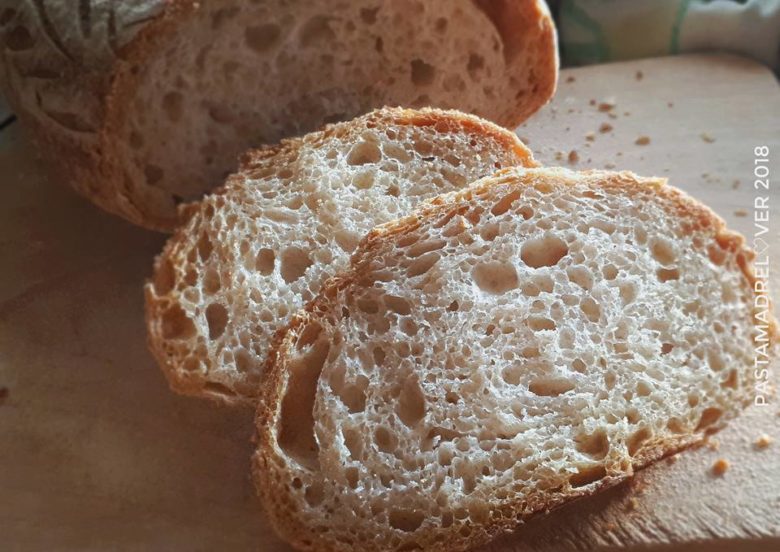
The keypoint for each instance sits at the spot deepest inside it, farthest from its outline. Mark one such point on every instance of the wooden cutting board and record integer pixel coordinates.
(97, 454)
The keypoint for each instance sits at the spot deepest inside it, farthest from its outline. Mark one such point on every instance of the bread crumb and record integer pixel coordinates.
(570, 78)
(573, 157)
(559, 155)
(570, 110)
(763, 441)
(607, 105)
(639, 75)
(720, 467)
(669, 104)
(592, 102)
(619, 154)
(735, 184)
(740, 213)
(633, 503)
(525, 140)
(705, 175)
(605, 127)
(713, 444)
(611, 115)
(590, 136)
(672, 459)
(707, 138)
(642, 141)
(609, 166)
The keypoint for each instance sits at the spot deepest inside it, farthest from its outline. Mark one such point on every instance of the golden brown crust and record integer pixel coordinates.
(268, 465)
(174, 253)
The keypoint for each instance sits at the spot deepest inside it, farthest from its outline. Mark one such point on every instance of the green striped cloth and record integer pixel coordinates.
(595, 31)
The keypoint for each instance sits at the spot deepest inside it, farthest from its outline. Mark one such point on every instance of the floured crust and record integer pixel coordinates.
(270, 468)
(70, 75)
(171, 355)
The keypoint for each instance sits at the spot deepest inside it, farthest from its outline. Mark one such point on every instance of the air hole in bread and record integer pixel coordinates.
(153, 174)
(628, 292)
(262, 38)
(550, 387)
(204, 247)
(716, 254)
(731, 381)
(353, 395)
(540, 323)
(632, 415)
(586, 475)
(385, 439)
(503, 204)
(581, 276)
(595, 445)
(293, 263)
(265, 261)
(423, 74)
(637, 439)
(353, 441)
(176, 324)
(173, 106)
(314, 494)
(244, 361)
(715, 360)
(643, 389)
(591, 309)
(423, 247)
(610, 272)
(544, 251)
(363, 153)
(296, 420)
(489, 231)
(411, 402)
(406, 520)
(495, 277)
(217, 319)
(667, 274)
(363, 180)
(475, 65)
(423, 264)
(708, 417)
(352, 475)
(398, 305)
(663, 251)
(317, 31)
(211, 281)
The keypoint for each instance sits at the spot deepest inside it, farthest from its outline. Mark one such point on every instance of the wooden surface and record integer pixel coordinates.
(97, 454)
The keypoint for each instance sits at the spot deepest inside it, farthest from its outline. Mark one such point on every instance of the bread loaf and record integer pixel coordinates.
(145, 104)
(260, 248)
(505, 349)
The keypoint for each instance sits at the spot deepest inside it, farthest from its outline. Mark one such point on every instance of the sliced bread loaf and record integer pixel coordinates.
(503, 350)
(253, 253)
(147, 103)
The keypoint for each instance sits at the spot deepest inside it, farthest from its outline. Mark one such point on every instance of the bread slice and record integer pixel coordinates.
(145, 104)
(253, 253)
(507, 348)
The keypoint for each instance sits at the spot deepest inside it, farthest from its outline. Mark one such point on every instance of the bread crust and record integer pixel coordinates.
(69, 75)
(174, 253)
(268, 466)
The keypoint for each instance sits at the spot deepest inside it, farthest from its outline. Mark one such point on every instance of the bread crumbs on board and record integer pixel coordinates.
(735, 184)
(720, 467)
(763, 441)
(639, 75)
(573, 157)
(605, 127)
(740, 213)
(590, 136)
(707, 138)
(642, 141)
